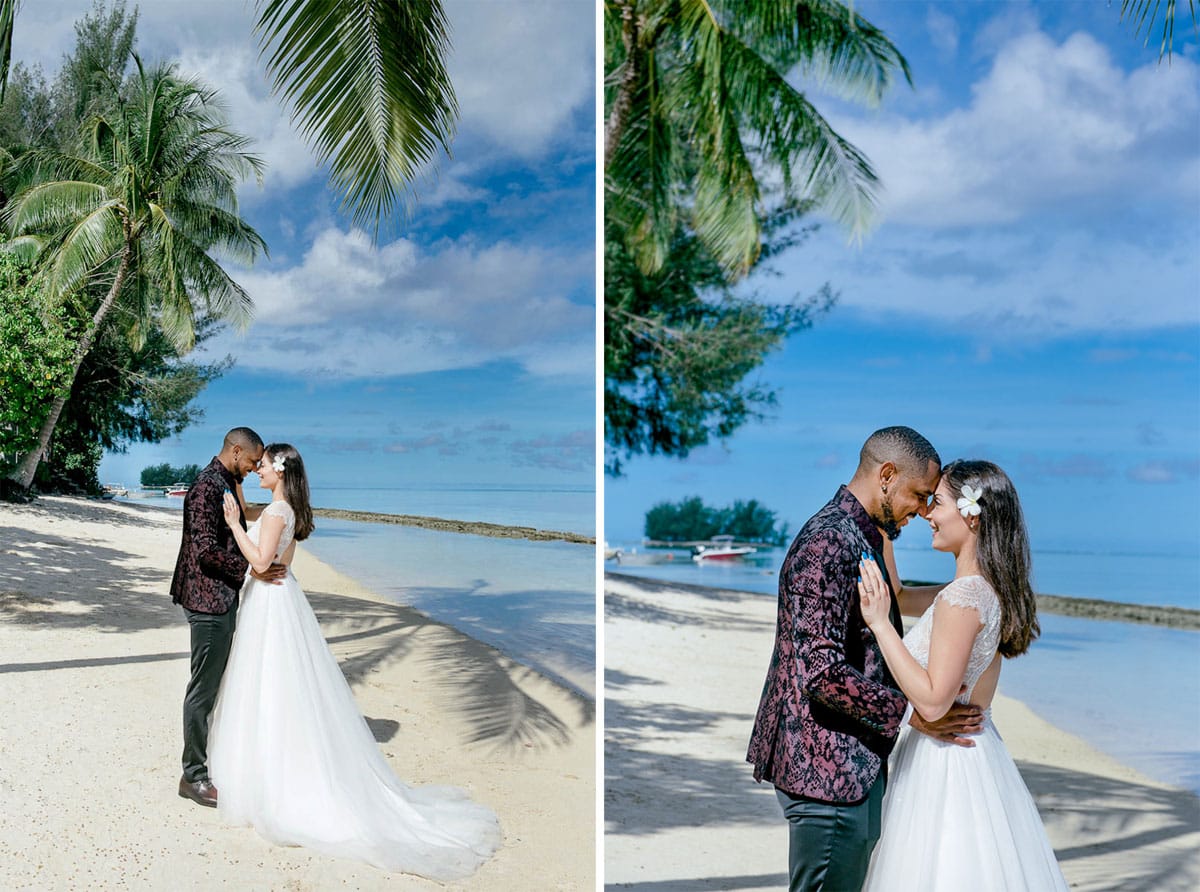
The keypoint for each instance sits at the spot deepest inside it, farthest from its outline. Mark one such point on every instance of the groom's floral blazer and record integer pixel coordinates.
(829, 712)
(210, 569)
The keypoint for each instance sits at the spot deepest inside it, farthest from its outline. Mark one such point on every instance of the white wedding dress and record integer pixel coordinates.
(291, 755)
(958, 818)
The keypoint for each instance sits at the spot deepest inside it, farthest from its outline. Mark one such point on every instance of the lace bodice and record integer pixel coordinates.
(280, 509)
(966, 591)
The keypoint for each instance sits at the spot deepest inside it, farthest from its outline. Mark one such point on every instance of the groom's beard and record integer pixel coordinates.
(891, 528)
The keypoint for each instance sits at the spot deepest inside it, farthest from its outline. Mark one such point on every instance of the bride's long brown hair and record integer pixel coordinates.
(1003, 549)
(295, 486)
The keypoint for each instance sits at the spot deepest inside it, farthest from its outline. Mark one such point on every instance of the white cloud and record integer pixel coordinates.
(1000, 282)
(350, 310)
(1048, 123)
(521, 69)
(943, 30)
(1059, 199)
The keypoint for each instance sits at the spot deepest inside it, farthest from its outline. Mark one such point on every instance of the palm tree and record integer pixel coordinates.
(366, 83)
(134, 218)
(699, 110)
(1142, 13)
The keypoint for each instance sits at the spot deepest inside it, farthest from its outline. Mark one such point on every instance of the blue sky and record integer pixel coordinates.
(461, 348)
(1030, 293)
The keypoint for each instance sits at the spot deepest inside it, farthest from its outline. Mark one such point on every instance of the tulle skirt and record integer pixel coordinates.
(958, 818)
(292, 756)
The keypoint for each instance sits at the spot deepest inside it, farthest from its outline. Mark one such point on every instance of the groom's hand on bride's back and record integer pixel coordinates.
(273, 574)
(960, 720)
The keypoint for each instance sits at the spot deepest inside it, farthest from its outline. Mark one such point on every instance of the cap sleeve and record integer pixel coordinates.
(281, 509)
(972, 592)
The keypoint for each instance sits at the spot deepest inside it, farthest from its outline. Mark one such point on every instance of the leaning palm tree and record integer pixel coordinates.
(367, 85)
(127, 228)
(700, 114)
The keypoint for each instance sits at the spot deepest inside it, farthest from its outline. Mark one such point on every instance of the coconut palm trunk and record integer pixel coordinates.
(27, 468)
(631, 75)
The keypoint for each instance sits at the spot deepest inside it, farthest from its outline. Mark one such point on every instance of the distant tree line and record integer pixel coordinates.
(165, 474)
(691, 520)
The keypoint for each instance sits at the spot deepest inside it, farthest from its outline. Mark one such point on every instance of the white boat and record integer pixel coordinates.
(178, 489)
(721, 549)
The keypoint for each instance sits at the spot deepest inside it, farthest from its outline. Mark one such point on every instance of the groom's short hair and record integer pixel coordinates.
(902, 446)
(244, 437)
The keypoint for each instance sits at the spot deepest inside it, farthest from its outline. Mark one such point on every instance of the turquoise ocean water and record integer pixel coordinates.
(1130, 690)
(534, 601)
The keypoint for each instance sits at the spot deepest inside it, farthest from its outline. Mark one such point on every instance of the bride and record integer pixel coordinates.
(290, 752)
(957, 817)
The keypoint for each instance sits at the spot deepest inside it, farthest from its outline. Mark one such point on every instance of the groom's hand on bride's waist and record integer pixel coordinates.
(273, 574)
(959, 721)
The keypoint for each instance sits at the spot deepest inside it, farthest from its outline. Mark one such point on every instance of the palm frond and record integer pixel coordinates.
(643, 170)
(796, 137)
(26, 248)
(828, 39)
(210, 227)
(1144, 13)
(725, 210)
(52, 205)
(87, 246)
(368, 89)
(8, 13)
(183, 270)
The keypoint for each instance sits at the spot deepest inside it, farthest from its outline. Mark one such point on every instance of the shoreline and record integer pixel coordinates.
(447, 525)
(95, 664)
(1061, 605)
(440, 524)
(684, 668)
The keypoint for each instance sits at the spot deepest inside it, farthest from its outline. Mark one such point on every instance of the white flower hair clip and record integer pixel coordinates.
(277, 464)
(968, 505)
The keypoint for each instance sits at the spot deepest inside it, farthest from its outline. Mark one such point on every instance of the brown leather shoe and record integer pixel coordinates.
(201, 792)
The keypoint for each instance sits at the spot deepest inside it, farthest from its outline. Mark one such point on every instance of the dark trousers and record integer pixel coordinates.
(212, 636)
(829, 845)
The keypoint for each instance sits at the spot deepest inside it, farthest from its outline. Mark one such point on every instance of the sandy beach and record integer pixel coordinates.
(684, 668)
(93, 667)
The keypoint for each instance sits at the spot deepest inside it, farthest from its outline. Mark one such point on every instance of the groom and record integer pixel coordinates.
(830, 711)
(208, 576)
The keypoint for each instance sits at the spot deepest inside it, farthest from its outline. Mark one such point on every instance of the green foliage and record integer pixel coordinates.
(699, 111)
(690, 520)
(104, 43)
(165, 474)
(121, 396)
(152, 190)
(122, 188)
(35, 359)
(711, 155)
(680, 343)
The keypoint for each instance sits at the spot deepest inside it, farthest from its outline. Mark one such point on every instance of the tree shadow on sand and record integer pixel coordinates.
(653, 586)
(108, 594)
(1127, 823)
(481, 684)
(522, 619)
(85, 585)
(716, 791)
(618, 606)
(713, 884)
